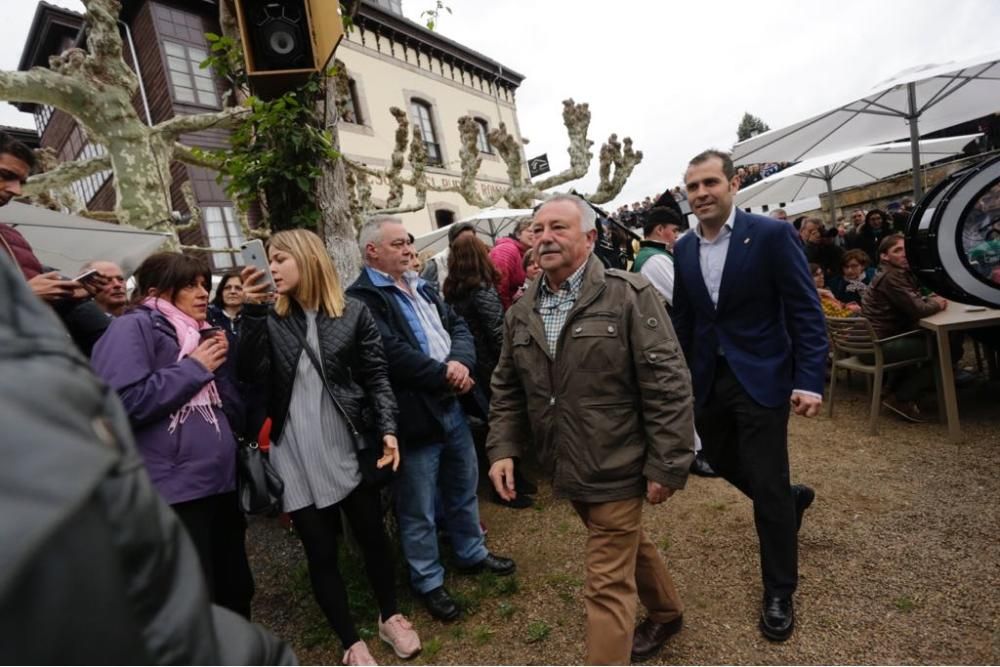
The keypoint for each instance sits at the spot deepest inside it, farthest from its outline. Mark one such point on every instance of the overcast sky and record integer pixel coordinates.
(675, 76)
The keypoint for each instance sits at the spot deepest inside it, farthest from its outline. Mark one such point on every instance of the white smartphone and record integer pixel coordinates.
(254, 255)
(86, 275)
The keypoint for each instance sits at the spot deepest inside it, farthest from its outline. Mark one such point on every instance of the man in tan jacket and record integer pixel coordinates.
(590, 371)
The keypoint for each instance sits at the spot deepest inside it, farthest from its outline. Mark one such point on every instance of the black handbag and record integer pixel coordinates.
(366, 445)
(258, 486)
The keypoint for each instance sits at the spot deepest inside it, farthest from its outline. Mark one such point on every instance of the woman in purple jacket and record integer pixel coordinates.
(183, 413)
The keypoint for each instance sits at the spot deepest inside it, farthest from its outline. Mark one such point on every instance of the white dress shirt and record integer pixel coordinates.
(712, 255)
(659, 270)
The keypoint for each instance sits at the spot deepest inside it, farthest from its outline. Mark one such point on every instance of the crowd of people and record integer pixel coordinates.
(620, 384)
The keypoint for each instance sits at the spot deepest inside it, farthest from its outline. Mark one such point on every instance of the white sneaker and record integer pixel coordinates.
(358, 654)
(398, 633)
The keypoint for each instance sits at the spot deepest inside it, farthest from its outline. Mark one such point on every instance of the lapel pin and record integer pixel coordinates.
(746, 241)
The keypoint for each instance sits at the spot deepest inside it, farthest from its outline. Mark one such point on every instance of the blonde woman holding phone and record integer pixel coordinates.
(318, 398)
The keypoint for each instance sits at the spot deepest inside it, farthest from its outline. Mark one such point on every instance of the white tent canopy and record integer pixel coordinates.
(66, 242)
(918, 100)
(491, 224)
(850, 168)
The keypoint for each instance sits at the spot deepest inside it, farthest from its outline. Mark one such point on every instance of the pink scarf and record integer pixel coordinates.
(187, 329)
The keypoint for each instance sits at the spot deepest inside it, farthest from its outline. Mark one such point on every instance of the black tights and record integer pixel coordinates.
(318, 530)
(218, 529)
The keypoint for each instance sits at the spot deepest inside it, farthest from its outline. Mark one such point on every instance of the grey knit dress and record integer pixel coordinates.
(315, 456)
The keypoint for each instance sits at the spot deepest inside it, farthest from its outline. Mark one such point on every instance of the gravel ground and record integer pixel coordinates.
(899, 561)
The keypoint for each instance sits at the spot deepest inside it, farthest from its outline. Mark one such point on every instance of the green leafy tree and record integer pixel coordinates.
(750, 125)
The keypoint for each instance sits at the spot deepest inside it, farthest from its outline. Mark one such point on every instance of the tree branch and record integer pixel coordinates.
(623, 162)
(66, 173)
(509, 151)
(43, 86)
(396, 161)
(576, 118)
(468, 130)
(171, 129)
(104, 44)
(196, 157)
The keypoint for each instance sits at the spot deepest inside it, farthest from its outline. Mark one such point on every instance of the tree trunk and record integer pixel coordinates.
(338, 230)
(142, 180)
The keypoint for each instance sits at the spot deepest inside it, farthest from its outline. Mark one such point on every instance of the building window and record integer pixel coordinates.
(482, 139)
(421, 113)
(191, 84)
(443, 217)
(352, 108)
(42, 117)
(223, 231)
(86, 188)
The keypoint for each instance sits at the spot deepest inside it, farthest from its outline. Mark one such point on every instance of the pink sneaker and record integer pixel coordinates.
(398, 633)
(358, 654)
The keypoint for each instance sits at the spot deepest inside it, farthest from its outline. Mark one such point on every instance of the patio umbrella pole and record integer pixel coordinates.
(828, 177)
(914, 139)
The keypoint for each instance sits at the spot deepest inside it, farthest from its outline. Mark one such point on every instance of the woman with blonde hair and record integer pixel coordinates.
(316, 409)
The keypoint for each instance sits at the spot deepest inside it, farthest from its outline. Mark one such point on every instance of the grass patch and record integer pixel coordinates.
(506, 586)
(431, 648)
(317, 634)
(905, 604)
(563, 580)
(665, 543)
(506, 610)
(482, 635)
(537, 631)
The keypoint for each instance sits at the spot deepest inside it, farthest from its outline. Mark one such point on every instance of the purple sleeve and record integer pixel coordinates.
(126, 359)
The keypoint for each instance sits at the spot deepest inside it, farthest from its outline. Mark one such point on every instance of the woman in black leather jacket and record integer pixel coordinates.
(314, 436)
(471, 289)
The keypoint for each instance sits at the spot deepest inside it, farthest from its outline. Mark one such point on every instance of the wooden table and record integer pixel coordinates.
(955, 317)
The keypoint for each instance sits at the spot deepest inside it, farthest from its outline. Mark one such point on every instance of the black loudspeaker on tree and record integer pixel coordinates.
(279, 34)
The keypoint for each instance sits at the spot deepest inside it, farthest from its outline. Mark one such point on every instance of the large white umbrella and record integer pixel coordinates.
(491, 224)
(850, 168)
(926, 98)
(66, 242)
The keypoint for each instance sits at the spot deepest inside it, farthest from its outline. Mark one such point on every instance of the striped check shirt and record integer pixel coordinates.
(554, 307)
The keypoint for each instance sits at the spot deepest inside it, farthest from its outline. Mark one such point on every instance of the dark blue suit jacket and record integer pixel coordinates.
(768, 322)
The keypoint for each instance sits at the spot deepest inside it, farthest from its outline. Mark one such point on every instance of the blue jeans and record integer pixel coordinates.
(450, 466)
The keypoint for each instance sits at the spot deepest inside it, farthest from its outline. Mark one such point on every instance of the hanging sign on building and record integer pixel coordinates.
(538, 165)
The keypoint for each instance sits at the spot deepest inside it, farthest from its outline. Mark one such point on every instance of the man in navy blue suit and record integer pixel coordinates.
(749, 321)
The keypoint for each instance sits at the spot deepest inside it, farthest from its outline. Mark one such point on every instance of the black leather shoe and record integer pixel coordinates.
(498, 565)
(701, 468)
(777, 618)
(650, 637)
(524, 485)
(439, 603)
(521, 502)
(804, 497)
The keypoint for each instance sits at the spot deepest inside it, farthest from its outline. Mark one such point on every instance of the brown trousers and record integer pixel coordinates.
(621, 561)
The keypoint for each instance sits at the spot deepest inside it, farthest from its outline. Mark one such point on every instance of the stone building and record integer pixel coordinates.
(391, 61)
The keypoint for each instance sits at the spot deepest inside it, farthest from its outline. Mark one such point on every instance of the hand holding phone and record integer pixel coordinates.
(87, 276)
(209, 332)
(255, 257)
(211, 353)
